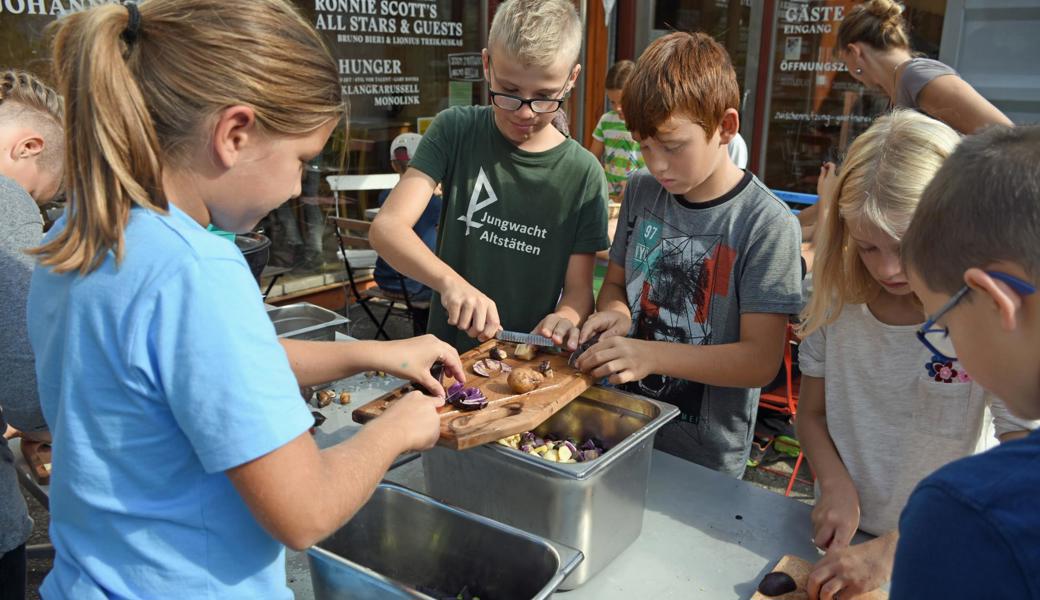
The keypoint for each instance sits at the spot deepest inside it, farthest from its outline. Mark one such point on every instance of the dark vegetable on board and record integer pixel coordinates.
(525, 380)
(497, 353)
(777, 583)
(525, 351)
(466, 398)
(489, 367)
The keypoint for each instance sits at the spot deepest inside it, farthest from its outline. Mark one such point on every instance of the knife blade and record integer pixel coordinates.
(524, 338)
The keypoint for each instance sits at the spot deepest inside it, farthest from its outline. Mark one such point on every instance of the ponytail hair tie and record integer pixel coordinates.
(133, 25)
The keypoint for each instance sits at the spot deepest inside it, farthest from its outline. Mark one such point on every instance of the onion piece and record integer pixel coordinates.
(466, 398)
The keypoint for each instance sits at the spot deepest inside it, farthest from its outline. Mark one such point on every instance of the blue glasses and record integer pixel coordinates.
(937, 339)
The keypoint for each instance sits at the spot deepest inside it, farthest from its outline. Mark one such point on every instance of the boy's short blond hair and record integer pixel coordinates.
(538, 33)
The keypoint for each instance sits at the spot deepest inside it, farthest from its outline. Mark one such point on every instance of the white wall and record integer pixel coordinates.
(995, 46)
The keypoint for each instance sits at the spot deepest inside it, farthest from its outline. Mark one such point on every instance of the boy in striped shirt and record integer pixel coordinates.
(612, 143)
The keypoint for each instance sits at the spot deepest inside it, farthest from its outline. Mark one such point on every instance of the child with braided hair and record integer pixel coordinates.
(31, 157)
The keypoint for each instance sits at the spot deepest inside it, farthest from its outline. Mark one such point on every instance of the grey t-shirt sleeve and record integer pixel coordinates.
(771, 281)
(812, 353)
(21, 227)
(1004, 421)
(917, 74)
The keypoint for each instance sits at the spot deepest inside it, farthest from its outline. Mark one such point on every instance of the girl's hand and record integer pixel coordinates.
(562, 331)
(827, 183)
(471, 311)
(835, 517)
(414, 417)
(620, 358)
(412, 358)
(853, 570)
(607, 323)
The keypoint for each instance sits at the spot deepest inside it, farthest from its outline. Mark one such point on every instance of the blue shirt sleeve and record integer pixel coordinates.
(220, 367)
(949, 549)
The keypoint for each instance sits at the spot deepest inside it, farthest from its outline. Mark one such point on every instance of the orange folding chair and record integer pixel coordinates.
(784, 400)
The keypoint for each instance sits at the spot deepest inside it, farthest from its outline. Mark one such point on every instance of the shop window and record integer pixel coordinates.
(814, 107)
(400, 63)
(725, 20)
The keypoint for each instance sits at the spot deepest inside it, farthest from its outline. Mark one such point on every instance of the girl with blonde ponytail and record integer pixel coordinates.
(181, 446)
(878, 413)
(874, 42)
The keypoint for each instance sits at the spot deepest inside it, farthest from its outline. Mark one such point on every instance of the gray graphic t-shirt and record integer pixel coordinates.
(691, 271)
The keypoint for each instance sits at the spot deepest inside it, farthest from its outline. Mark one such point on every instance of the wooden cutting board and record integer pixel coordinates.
(506, 413)
(799, 570)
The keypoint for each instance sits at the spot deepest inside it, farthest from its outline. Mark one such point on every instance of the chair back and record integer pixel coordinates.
(357, 183)
(352, 233)
(784, 399)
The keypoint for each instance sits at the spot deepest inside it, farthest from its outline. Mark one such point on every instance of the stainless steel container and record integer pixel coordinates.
(401, 540)
(595, 506)
(305, 321)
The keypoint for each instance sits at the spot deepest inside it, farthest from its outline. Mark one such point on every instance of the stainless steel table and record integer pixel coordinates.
(705, 535)
(363, 388)
(339, 426)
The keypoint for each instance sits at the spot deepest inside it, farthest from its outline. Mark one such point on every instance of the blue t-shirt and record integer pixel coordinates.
(426, 228)
(156, 376)
(972, 528)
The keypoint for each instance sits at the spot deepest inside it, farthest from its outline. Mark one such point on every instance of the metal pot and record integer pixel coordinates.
(256, 248)
(595, 506)
(401, 540)
(305, 321)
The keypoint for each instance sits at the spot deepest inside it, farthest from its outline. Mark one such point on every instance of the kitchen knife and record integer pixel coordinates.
(525, 338)
(545, 343)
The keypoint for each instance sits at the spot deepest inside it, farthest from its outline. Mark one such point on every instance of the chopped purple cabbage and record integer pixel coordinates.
(466, 398)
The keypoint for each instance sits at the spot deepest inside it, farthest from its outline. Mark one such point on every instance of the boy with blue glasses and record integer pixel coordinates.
(972, 530)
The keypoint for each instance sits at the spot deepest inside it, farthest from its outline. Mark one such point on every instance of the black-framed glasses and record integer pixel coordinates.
(538, 105)
(937, 339)
(514, 103)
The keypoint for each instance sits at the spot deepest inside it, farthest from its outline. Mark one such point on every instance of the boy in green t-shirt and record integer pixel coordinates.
(524, 206)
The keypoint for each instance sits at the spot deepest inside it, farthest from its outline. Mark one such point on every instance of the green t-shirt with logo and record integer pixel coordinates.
(511, 218)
